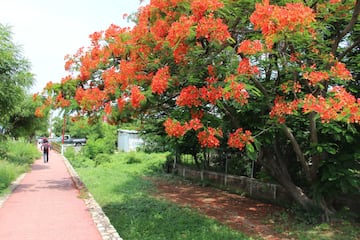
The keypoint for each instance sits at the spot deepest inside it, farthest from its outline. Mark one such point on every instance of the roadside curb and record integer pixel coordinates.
(106, 229)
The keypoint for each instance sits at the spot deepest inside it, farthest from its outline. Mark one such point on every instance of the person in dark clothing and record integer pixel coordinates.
(45, 147)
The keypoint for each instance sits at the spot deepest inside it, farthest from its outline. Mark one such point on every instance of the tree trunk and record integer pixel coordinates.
(276, 166)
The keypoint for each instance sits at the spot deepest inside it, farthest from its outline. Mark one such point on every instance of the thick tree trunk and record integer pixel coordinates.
(276, 166)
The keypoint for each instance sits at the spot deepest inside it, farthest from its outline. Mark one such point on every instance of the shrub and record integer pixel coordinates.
(22, 153)
(132, 158)
(70, 153)
(8, 173)
(102, 158)
(78, 160)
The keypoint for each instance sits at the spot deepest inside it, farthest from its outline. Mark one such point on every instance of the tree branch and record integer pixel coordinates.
(298, 151)
(355, 44)
(348, 27)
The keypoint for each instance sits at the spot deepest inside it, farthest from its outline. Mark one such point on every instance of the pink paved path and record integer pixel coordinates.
(46, 205)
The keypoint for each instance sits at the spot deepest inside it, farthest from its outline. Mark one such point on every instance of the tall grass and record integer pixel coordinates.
(121, 187)
(15, 159)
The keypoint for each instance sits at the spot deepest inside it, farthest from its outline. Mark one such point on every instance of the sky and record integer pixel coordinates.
(48, 30)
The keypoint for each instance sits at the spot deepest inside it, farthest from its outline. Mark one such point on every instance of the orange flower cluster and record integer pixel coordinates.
(196, 113)
(160, 81)
(66, 79)
(272, 19)
(189, 96)
(61, 101)
(316, 77)
(48, 86)
(207, 138)
(200, 7)
(114, 78)
(121, 102)
(250, 47)
(39, 111)
(174, 128)
(180, 53)
(245, 68)
(108, 108)
(341, 105)
(339, 70)
(195, 124)
(160, 29)
(180, 30)
(164, 4)
(211, 94)
(282, 108)
(90, 99)
(213, 29)
(290, 86)
(136, 97)
(239, 139)
(192, 96)
(237, 91)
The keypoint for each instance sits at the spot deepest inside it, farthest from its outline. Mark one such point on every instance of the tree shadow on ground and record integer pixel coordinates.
(140, 216)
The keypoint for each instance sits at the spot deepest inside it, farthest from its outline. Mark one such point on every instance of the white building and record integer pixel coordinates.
(128, 140)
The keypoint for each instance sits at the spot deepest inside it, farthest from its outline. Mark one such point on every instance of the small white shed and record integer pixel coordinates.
(128, 140)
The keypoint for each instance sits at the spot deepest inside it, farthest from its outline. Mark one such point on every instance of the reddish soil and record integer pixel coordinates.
(249, 216)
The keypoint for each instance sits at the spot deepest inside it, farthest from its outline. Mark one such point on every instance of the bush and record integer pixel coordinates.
(3, 149)
(132, 158)
(15, 158)
(102, 158)
(7, 174)
(78, 160)
(101, 145)
(22, 153)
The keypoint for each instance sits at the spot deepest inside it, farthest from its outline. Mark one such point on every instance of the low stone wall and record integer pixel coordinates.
(56, 146)
(249, 186)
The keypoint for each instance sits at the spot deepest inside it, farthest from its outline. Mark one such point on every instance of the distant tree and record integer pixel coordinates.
(23, 123)
(15, 76)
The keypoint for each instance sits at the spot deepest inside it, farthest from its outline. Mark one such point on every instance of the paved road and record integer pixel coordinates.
(46, 205)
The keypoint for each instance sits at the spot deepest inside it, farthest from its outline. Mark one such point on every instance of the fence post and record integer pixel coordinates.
(226, 170)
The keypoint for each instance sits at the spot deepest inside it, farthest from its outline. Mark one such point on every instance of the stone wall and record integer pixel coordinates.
(249, 186)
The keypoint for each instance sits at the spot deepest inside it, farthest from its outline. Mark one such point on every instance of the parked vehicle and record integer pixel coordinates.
(73, 141)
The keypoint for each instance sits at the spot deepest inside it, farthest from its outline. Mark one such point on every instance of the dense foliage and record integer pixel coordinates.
(16, 106)
(267, 77)
(15, 158)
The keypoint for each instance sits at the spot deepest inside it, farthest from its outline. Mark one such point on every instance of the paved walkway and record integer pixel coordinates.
(46, 205)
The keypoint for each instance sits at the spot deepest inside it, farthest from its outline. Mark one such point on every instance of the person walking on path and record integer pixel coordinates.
(45, 147)
(46, 205)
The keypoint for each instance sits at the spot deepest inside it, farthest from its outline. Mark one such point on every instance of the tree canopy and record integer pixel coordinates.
(16, 107)
(277, 79)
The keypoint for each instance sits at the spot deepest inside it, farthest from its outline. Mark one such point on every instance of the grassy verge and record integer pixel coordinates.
(345, 228)
(119, 185)
(15, 159)
(118, 182)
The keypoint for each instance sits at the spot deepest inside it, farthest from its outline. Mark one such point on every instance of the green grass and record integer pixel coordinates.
(298, 227)
(15, 159)
(121, 188)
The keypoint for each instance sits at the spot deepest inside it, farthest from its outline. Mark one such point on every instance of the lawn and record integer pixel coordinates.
(121, 188)
(15, 159)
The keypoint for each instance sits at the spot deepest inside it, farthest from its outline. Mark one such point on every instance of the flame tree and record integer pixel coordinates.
(268, 77)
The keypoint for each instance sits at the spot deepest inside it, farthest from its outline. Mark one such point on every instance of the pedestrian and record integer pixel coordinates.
(45, 147)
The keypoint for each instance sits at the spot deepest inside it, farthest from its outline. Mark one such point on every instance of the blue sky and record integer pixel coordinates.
(48, 30)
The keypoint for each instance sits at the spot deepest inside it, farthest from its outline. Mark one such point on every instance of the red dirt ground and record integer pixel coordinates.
(249, 216)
